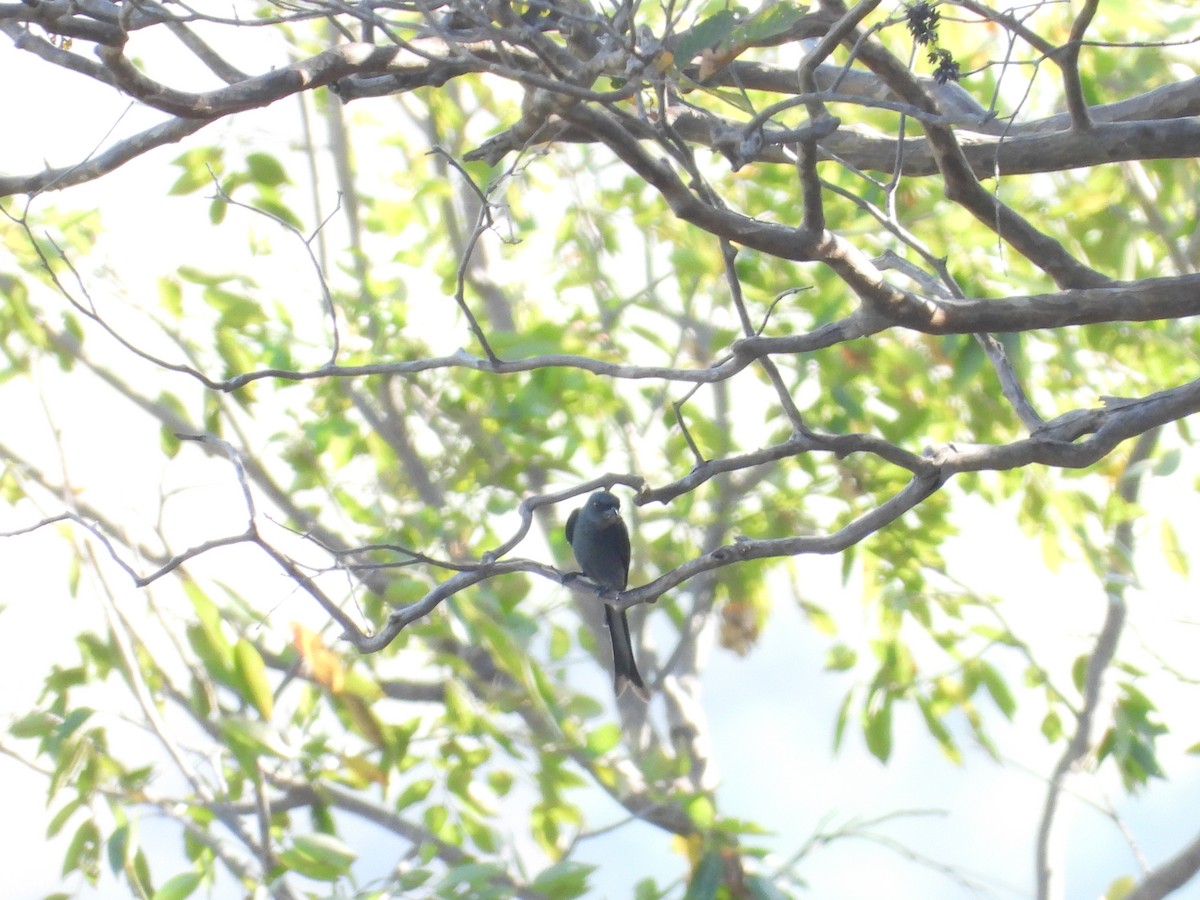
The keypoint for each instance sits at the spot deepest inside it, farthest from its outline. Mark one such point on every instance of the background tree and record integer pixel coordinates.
(805, 280)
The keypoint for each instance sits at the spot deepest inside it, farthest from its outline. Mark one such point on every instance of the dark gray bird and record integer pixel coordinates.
(598, 535)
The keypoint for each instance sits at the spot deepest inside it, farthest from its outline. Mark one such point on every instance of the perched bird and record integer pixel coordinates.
(600, 540)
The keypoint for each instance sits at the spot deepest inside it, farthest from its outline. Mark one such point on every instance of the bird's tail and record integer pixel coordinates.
(625, 672)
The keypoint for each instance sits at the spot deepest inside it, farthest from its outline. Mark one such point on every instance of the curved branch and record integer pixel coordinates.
(323, 69)
(918, 489)
(1019, 153)
(1170, 876)
(962, 186)
(93, 167)
(1068, 60)
(1147, 300)
(58, 18)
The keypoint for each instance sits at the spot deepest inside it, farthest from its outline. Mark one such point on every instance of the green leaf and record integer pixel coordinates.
(840, 658)
(1120, 888)
(773, 20)
(706, 879)
(177, 887)
(415, 792)
(252, 672)
(299, 863)
(169, 442)
(70, 724)
(34, 724)
(563, 879)
(701, 811)
(251, 739)
(843, 717)
(709, 33)
(198, 166)
(527, 342)
(877, 729)
(61, 817)
(968, 363)
(122, 844)
(237, 311)
(412, 879)
(1169, 462)
(1176, 557)
(476, 876)
(325, 849)
(762, 889)
(560, 642)
(603, 739)
(278, 209)
(266, 169)
(500, 782)
(818, 617)
(170, 296)
(1079, 672)
(1052, 726)
(997, 687)
(84, 851)
(207, 636)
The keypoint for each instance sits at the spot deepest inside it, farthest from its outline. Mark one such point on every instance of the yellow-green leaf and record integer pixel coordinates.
(253, 674)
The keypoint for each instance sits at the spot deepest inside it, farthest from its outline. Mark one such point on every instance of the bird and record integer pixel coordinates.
(600, 541)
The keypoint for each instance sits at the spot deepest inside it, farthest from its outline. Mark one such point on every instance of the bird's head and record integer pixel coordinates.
(605, 505)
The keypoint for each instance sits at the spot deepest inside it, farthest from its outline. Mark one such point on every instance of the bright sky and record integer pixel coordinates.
(772, 713)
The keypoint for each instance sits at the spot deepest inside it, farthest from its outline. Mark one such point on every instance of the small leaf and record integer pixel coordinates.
(35, 724)
(878, 730)
(702, 812)
(500, 782)
(997, 687)
(322, 857)
(121, 846)
(843, 717)
(706, 879)
(178, 887)
(707, 34)
(1168, 463)
(761, 889)
(603, 739)
(840, 657)
(266, 169)
(83, 852)
(1079, 672)
(414, 793)
(254, 738)
(61, 817)
(773, 20)
(564, 879)
(278, 209)
(560, 642)
(1052, 726)
(253, 674)
(325, 848)
(1120, 888)
(1172, 550)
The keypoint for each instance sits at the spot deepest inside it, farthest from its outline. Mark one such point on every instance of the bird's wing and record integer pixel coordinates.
(571, 524)
(621, 541)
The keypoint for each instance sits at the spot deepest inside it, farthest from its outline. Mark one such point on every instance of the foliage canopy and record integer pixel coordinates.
(798, 280)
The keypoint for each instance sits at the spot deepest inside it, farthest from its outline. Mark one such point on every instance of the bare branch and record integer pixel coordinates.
(1170, 876)
(1068, 60)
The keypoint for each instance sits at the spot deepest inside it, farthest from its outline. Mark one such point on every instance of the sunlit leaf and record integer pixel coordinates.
(178, 887)
(253, 675)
